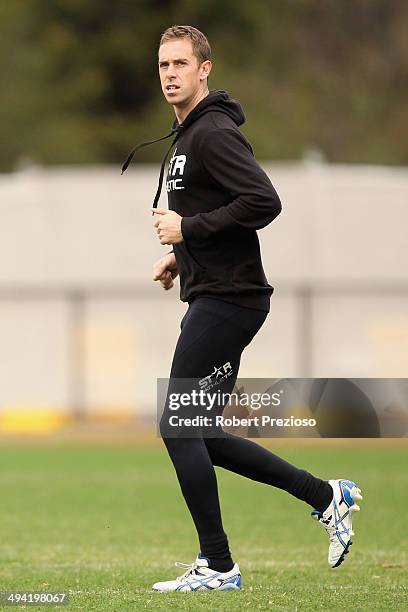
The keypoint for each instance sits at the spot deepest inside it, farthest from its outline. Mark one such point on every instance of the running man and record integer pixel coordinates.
(218, 197)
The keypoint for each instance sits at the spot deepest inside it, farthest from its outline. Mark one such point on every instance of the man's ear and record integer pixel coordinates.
(205, 70)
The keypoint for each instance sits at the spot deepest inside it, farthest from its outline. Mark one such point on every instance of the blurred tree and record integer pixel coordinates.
(80, 85)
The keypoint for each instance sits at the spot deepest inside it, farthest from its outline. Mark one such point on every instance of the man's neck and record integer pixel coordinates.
(181, 113)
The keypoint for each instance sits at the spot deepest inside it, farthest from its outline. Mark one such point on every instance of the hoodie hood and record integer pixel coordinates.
(219, 101)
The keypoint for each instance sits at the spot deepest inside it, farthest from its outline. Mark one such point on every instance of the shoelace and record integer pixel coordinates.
(333, 530)
(189, 567)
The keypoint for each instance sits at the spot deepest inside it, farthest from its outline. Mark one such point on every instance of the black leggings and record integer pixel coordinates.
(213, 336)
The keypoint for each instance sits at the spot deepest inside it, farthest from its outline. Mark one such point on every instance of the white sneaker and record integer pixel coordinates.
(337, 518)
(199, 577)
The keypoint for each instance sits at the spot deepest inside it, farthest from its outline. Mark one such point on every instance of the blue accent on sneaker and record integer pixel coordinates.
(196, 583)
(346, 486)
(199, 582)
(235, 580)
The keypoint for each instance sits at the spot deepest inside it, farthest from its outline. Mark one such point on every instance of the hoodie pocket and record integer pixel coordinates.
(193, 257)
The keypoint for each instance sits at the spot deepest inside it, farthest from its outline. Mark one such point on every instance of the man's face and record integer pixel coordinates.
(180, 71)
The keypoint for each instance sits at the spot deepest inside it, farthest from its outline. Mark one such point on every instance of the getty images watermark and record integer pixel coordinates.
(212, 402)
(291, 407)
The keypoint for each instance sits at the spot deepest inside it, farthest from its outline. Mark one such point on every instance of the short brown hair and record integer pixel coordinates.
(201, 46)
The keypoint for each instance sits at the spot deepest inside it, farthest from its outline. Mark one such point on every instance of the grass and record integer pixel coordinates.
(104, 523)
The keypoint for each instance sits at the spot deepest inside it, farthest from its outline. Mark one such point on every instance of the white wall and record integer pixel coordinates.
(342, 234)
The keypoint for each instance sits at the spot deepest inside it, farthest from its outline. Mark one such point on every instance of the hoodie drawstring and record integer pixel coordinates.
(175, 131)
(144, 144)
(215, 100)
(161, 175)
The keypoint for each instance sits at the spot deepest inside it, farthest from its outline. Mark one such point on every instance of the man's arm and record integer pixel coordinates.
(254, 203)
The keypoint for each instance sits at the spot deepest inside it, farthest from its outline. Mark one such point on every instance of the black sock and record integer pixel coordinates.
(314, 491)
(216, 550)
(221, 565)
(323, 496)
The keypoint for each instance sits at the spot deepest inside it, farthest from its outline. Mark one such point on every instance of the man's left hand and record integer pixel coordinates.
(168, 226)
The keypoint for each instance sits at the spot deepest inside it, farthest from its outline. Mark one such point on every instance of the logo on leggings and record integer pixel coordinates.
(216, 377)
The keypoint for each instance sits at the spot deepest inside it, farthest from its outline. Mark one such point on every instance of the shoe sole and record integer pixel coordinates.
(228, 588)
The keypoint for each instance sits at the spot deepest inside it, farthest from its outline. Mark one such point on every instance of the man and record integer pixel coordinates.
(218, 197)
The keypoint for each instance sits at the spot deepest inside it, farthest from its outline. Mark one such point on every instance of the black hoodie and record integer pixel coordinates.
(224, 196)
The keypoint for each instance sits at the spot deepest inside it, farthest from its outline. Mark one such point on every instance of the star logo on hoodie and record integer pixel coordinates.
(176, 170)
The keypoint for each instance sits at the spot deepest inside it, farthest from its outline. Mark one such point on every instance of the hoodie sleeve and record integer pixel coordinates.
(228, 158)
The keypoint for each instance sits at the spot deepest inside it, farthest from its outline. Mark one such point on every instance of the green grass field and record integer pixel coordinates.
(104, 523)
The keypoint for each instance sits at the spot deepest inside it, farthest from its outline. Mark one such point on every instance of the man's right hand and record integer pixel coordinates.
(165, 270)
